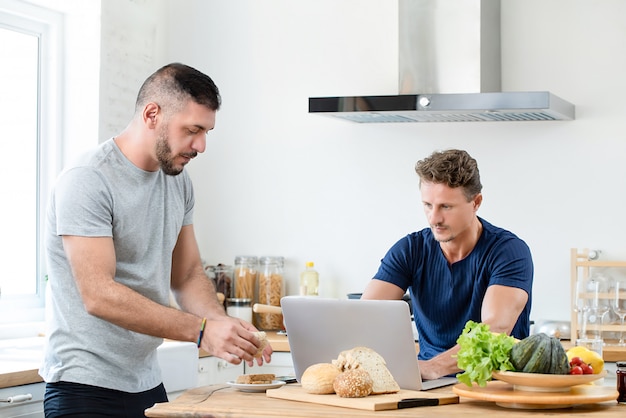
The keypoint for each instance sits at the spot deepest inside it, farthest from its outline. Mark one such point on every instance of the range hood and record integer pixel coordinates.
(449, 71)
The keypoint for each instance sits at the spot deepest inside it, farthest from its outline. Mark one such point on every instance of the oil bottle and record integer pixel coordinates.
(309, 280)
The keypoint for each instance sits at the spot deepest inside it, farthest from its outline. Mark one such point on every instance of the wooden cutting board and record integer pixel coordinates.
(402, 399)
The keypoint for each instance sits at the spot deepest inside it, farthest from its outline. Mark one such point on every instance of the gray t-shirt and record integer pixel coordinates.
(107, 196)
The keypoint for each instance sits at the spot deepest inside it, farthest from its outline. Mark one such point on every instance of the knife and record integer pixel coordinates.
(415, 402)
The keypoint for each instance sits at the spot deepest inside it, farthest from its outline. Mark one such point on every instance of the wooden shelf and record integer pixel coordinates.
(581, 269)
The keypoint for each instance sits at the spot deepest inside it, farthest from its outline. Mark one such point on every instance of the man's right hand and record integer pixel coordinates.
(233, 340)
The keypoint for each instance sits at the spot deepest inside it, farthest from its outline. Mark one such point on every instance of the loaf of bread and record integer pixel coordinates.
(369, 360)
(256, 379)
(262, 336)
(318, 378)
(355, 383)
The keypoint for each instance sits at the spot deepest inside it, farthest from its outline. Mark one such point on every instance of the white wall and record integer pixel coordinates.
(130, 51)
(275, 180)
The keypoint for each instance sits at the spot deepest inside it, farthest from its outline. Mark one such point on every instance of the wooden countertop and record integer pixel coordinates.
(228, 402)
(19, 361)
(21, 377)
(279, 342)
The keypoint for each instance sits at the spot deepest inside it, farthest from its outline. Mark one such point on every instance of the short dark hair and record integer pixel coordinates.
(455, 168)
(172, 85)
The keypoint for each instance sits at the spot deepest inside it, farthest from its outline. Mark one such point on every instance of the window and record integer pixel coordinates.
(28, 127)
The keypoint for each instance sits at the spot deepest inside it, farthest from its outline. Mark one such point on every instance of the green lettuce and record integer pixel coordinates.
(481, 353)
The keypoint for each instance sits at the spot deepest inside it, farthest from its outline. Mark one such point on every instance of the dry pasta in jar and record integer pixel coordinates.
(245, 277)
(270, 291)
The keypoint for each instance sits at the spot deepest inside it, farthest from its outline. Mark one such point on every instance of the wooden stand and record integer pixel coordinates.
(581, 266)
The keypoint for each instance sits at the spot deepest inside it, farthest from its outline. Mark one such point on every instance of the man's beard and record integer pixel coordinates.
(443, 240)
(165, 157)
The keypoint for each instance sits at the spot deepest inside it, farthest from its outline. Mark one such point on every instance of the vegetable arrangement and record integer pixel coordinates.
(482, 352)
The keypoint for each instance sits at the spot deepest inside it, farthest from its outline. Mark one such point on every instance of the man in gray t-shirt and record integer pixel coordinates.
(119, 237)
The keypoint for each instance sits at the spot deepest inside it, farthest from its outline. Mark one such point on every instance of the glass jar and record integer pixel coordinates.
(621, 381)
(223, 276)
(245, 277)
(270, 290)
(240, 308)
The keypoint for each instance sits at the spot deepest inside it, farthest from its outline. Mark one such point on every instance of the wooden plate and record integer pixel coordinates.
(546, 382)
(505, 395)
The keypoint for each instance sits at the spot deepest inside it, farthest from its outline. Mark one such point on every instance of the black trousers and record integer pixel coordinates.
(65, 399)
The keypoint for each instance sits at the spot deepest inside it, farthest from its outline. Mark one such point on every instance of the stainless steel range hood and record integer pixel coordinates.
(449, 71)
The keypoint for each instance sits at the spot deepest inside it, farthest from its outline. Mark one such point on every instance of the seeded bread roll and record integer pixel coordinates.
(355, 383)
(318, 378)
(262, 336)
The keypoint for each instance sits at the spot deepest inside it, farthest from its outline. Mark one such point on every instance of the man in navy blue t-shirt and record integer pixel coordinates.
(460, 268)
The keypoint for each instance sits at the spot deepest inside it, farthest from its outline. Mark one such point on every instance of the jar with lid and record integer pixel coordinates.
(270, 290)
(240, 308)
(621, 381)
(245, 277)
(223, 276)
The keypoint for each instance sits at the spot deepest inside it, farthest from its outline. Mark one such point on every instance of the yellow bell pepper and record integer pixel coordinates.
(590, 357)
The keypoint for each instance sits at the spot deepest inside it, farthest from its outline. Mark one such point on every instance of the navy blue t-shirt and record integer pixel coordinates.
(445, 297)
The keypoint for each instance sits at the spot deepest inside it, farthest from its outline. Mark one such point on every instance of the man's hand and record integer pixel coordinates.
(234, 341)
(439, 366)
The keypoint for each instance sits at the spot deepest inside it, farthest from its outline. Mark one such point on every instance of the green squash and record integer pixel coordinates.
(539, 353)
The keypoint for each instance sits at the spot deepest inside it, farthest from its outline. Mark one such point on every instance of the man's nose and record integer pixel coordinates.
(199, 144)
(435, 217)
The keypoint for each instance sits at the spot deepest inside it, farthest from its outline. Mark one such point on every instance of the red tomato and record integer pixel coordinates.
(587, 369)
(576, 370)
(576, 361)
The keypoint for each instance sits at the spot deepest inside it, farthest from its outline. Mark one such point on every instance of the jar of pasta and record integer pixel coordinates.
(270, 290)
(245, 277)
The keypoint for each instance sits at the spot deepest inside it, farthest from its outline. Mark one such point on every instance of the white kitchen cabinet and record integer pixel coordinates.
(32, 408)
(281, 365)
(179, 363)
(213, 370)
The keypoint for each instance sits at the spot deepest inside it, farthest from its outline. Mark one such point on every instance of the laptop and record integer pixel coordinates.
(318, 329)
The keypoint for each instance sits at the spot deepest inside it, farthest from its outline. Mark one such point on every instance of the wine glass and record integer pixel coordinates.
(618, 304)
(595, 287)
(581, 307)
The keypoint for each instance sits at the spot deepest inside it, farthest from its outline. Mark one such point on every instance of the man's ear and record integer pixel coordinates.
(150, 114)
(478, 199)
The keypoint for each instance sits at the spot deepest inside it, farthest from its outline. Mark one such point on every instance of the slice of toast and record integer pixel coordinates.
(256, 379)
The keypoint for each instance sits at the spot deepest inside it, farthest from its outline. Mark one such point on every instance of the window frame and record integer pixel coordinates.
(24, 315)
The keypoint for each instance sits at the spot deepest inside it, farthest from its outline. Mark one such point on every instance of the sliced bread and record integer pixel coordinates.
(373, 363)
(262, 336)
(256, 379)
